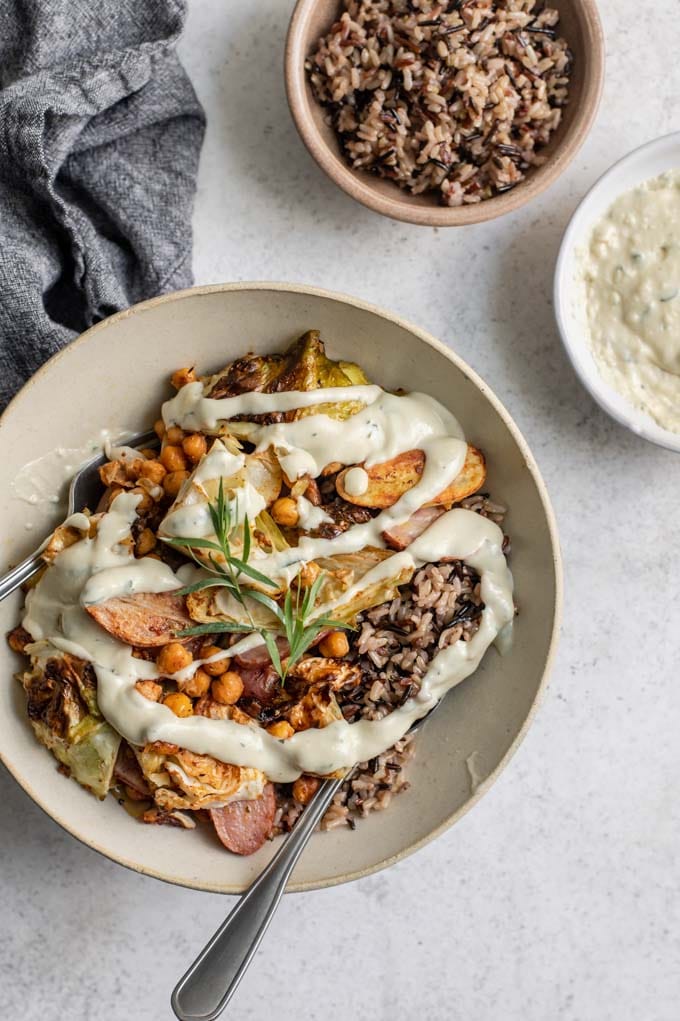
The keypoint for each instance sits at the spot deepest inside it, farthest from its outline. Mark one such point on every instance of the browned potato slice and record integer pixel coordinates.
(469, 479)
(388, 481)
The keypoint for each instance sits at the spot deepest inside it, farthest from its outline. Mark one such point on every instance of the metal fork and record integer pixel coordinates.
(206, 988)
(84, 491)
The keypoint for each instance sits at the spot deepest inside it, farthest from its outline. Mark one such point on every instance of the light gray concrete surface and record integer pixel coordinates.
(557, 897)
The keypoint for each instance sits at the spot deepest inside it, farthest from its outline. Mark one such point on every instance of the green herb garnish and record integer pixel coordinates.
(293, 614)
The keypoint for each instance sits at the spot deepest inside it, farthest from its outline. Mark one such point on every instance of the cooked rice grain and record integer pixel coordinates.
(453, 97)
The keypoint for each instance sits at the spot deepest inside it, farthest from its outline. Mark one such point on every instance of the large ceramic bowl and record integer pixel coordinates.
(116, 374)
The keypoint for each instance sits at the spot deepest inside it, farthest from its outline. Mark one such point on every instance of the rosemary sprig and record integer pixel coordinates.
(294, 616)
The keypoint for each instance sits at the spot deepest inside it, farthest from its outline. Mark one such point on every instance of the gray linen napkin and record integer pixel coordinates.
(100, 135)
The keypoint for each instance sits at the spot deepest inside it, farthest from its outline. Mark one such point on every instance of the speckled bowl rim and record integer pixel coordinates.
(616, 406)
(422, 335)
(357, 184)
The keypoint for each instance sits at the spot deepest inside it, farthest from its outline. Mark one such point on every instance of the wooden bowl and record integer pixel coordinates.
(115, 376)
(581, 27)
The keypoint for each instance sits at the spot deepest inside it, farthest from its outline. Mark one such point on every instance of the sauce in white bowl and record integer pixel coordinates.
(615, 360)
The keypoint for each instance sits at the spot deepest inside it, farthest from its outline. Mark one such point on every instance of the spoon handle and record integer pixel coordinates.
(206, 988)
(21, 573)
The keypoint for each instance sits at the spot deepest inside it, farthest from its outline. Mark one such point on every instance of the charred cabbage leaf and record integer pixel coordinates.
(181, 779)
(62, 708)
(250, 490)
(304, 366)
(342, 595)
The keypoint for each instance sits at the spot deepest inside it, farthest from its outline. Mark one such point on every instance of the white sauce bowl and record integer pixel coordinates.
(650, 160)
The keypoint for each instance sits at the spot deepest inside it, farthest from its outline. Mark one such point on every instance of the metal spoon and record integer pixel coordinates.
(206, 988)
(84, 491)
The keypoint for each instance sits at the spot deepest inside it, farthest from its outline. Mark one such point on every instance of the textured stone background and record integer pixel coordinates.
(557, 897)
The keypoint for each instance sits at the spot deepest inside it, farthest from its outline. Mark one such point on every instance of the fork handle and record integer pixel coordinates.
(206, 988)
(21, 573)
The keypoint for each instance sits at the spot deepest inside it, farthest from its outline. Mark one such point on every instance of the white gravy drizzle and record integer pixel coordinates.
(356, 481)
(95, 569)
(309, 516)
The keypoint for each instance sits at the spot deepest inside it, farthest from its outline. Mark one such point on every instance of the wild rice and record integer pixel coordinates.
(394, 644)
(457, 98)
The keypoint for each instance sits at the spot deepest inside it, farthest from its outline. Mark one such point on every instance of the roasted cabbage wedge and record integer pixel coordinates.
(304, 366)
(62, 708)
(341, 594)
(179, 779)
(257, 483)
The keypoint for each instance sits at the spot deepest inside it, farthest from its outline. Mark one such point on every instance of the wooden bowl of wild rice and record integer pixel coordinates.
(444, 113)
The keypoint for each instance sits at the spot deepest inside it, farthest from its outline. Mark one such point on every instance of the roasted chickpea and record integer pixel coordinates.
(150, 690)
(113, 492)
(159, 428)
(198, 685)
(220, 666)
(148, 453)
(228, 688)
(308, 574)
(173, 482)
(173, 657)
(179, 703)
(111, 472)
(194, 446)
(181, 377)
(174, 435)
(18, 639)
(285, 512)
(281, 730)
(172, 457)
(134, 469)
(154, 471)
(145, 503)
(334, 645)
(145, 543)
(304, 789)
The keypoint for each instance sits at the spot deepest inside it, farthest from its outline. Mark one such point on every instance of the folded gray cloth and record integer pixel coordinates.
(100, 134)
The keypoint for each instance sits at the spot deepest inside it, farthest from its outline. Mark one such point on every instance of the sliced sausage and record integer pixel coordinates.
(243, 826)
(401, 536)
(259, 682)
(259, 656)
(145, 619)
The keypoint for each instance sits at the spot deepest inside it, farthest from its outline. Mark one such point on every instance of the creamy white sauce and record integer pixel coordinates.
(309, 516)
(630, 272)
(388, 426)
(356, 481)
(190, 515)
(43, 482)
(95, 569)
